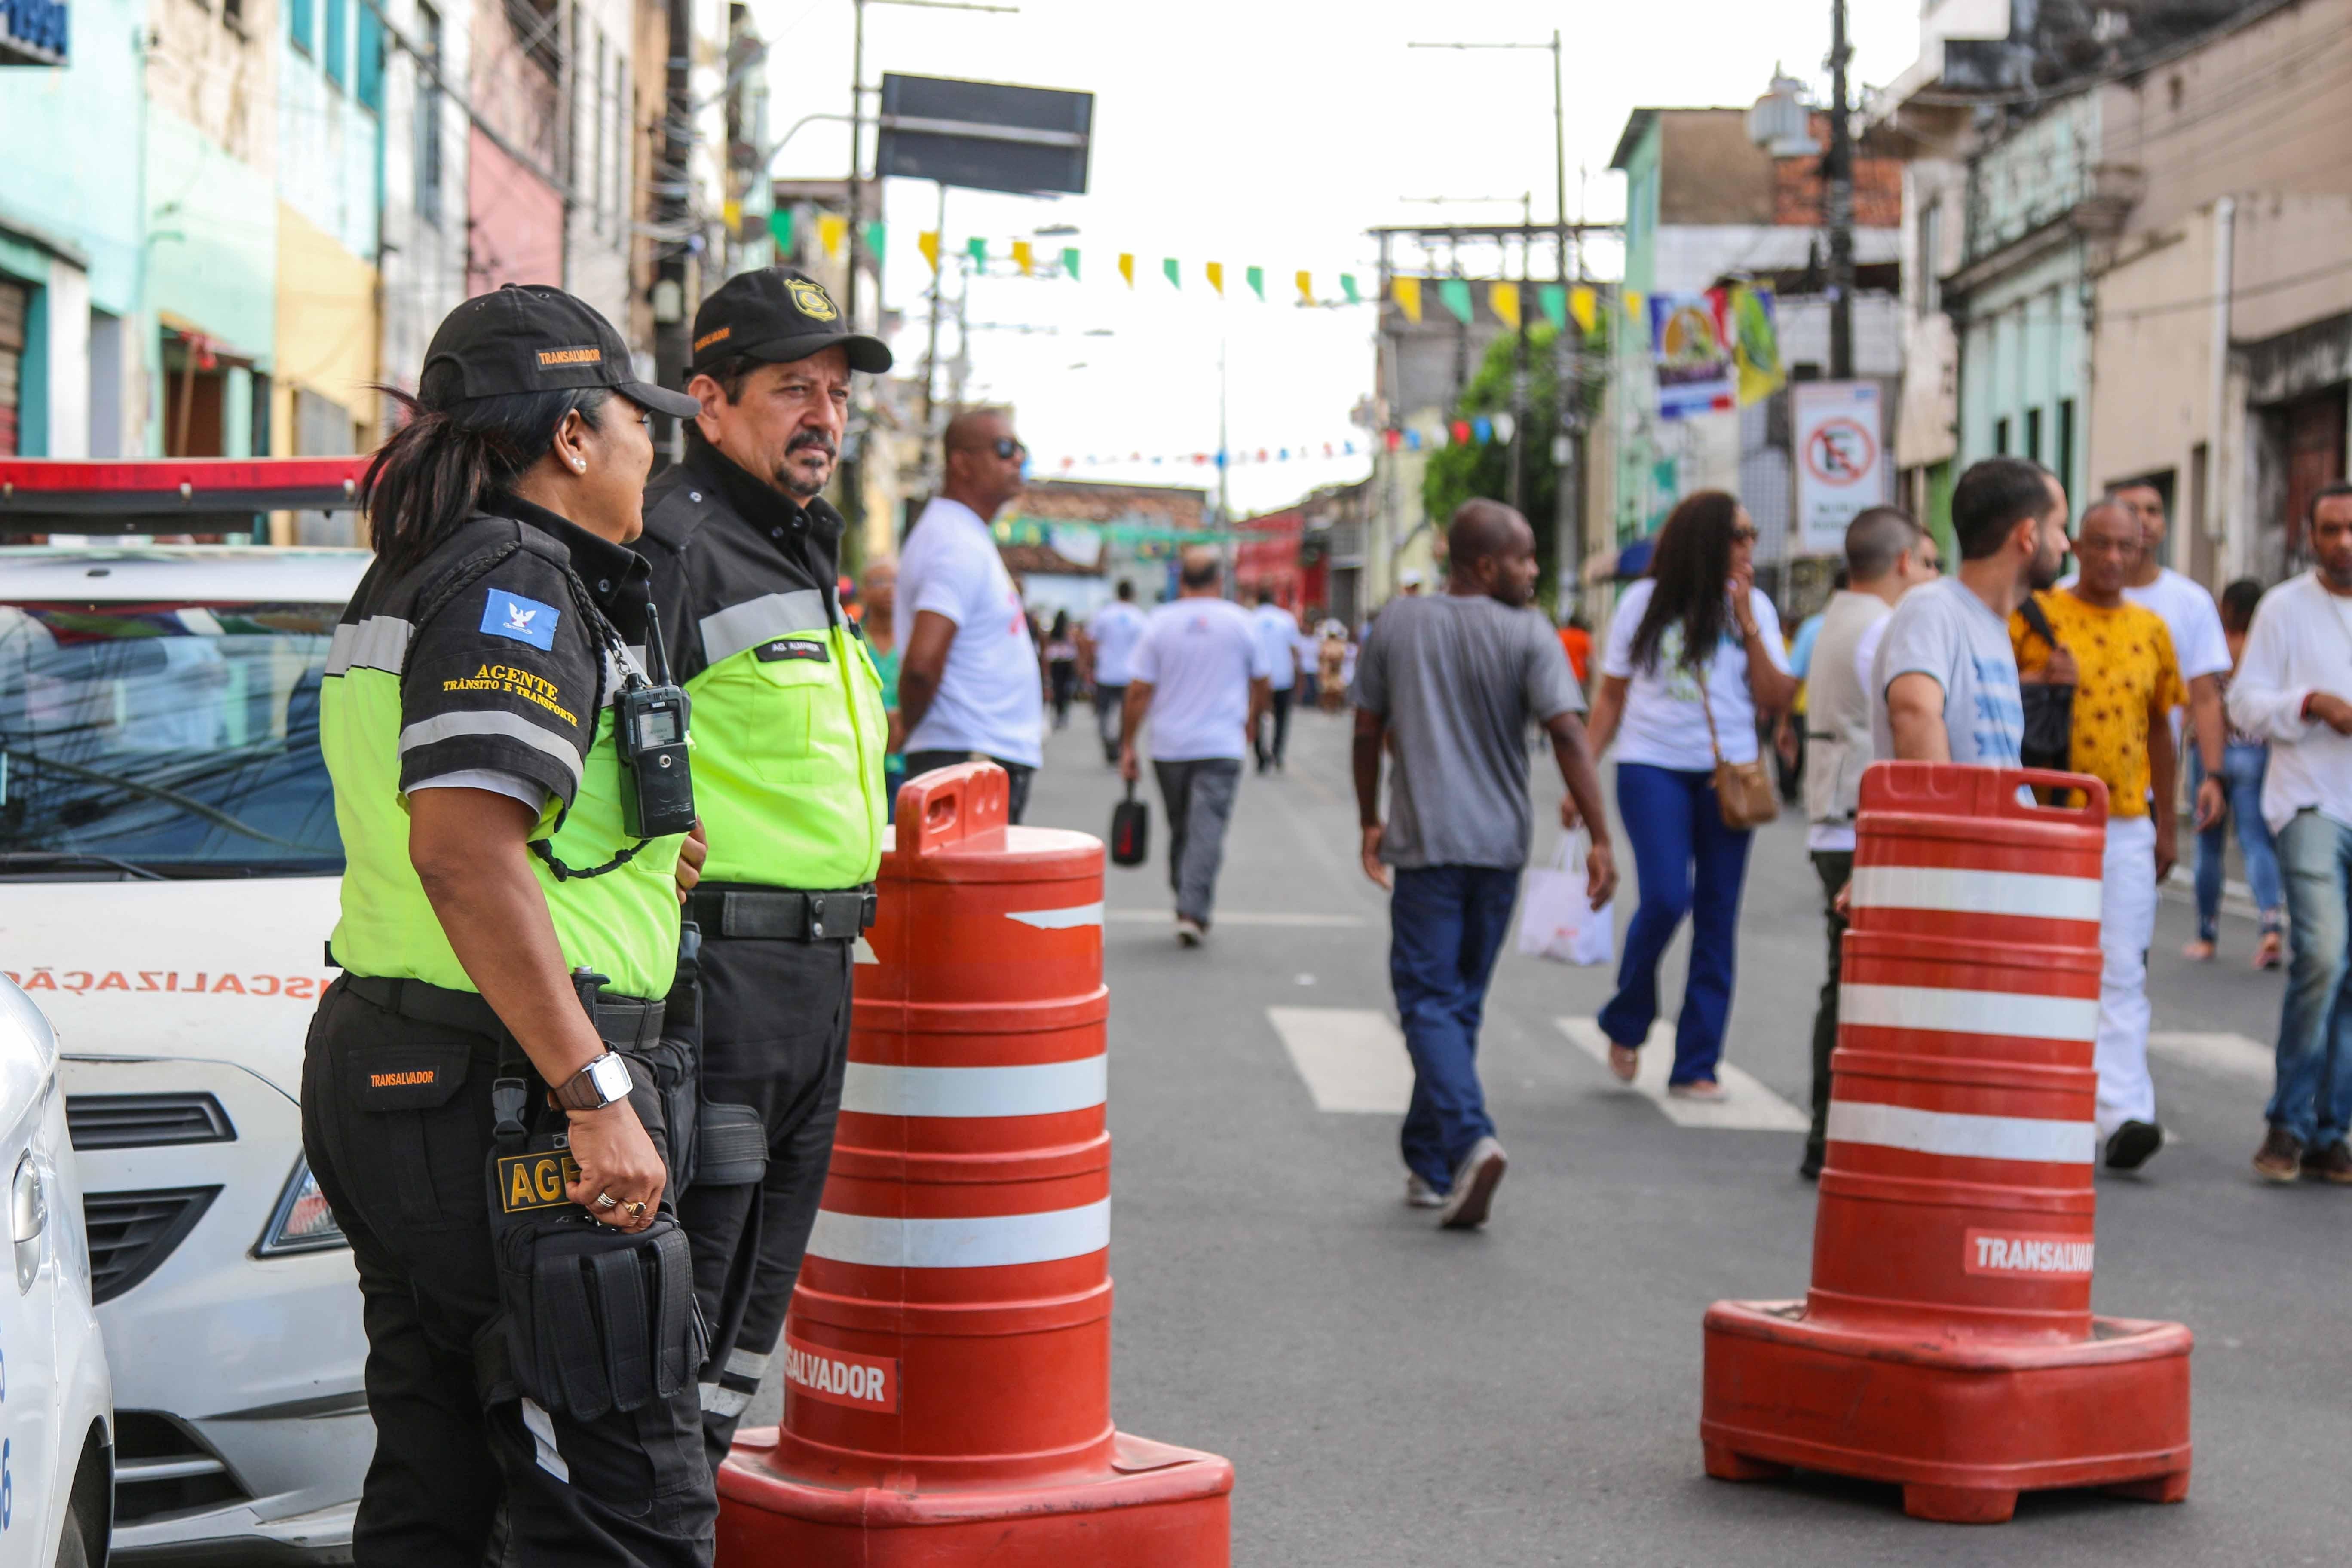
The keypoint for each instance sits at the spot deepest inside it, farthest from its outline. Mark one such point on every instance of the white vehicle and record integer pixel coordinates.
(169, 865)
(54, 1456)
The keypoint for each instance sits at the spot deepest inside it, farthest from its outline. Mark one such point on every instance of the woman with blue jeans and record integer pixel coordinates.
(1697, 624)
(2244, 763)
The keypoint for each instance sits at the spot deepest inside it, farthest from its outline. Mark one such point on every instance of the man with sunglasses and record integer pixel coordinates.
(969, 686)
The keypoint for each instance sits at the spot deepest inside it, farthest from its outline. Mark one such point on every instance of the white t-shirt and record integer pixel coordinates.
(1200, 655)
(1664, 724)
(989, 699)
(1276, 630)
(1840, 835)
(1113, 632)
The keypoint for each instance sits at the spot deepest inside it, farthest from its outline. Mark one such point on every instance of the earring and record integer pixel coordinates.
(580, 464)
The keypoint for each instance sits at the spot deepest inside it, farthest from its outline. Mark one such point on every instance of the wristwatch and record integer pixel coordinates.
(597, 1085)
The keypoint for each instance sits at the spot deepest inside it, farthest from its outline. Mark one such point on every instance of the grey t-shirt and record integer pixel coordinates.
(1457, 678)
(1942, 630)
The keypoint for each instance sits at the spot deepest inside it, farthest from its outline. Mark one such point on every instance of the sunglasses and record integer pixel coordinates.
(1005, 447)
(1745, 536)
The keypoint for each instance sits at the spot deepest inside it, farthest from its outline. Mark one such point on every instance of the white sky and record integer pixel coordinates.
(1271, 132)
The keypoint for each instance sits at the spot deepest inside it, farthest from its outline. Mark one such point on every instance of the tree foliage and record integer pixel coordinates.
(1466, 471)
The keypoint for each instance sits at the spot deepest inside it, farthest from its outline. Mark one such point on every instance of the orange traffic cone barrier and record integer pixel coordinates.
(1947, 1342)
(947, 1353)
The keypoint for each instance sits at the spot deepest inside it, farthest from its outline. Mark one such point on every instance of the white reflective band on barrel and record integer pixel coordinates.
(2009, 1013)
(989, 1241)
(1044, 1089)
(1968, 1137)
(1059, 919)
(1964, 891)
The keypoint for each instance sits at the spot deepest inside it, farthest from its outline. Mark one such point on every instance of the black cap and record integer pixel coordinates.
(531, 337)
(776, 314)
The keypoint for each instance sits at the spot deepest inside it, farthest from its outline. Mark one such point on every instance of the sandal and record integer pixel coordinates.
(1624, 1061)
(2198, 951)
(2272, 952)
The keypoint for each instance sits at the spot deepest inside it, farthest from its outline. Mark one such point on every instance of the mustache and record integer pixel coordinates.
(807, 440)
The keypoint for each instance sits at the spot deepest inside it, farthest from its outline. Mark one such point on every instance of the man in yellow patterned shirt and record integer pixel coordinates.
(2127, 681)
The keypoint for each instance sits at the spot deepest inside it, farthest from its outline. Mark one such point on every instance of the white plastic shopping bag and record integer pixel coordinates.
(1557, 921)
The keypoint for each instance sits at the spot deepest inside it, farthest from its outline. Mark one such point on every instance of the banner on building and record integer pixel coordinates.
(1839, 429)
(1693, 349)
(1755, 343)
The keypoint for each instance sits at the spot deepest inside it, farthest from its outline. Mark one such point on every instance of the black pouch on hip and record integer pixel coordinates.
(596, 1318)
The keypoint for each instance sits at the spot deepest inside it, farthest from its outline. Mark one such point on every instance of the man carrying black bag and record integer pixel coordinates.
(790, 733)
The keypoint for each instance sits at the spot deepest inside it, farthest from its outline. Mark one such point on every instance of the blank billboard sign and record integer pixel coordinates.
(985, 135)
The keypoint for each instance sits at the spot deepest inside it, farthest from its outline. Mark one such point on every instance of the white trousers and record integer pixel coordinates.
(2126, 926)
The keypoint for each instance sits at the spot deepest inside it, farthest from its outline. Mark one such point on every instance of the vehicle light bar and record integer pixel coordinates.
(167, 495)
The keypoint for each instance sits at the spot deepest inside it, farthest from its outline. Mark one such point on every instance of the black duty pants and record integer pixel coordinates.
(1018, 774)
(1834, 867)
(454, 1482)
(1278, 714)
(775, 1037)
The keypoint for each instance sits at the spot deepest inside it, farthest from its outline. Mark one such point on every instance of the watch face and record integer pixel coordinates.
(610, 1074)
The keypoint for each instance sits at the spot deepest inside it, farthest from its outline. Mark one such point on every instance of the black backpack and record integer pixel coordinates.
(2049, 738)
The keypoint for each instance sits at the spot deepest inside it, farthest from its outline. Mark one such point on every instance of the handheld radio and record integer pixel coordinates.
(650, 720)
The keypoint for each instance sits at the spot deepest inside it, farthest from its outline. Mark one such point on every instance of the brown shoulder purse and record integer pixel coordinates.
(1743, 791)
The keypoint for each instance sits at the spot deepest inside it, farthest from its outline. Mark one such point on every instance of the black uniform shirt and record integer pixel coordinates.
(505, 676)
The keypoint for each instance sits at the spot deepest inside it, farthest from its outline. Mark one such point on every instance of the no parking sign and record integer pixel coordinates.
(1840, 459)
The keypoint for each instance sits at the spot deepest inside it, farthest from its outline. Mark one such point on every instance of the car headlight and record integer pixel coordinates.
(302, 1221)
(28, 1216)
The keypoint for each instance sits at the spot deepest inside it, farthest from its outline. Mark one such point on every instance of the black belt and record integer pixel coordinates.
(778, 915)
(623, 1023)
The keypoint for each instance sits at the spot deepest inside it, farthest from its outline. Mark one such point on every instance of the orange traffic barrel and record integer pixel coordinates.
(947, 1352)
(1947, 1342)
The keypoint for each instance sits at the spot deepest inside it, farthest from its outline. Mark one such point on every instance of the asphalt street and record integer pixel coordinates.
(1393, 1394)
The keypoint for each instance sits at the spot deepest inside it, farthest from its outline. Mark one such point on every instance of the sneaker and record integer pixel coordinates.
(2280, 1159)
(1419, 1194)
(1705, 1089)
(1474, 1182)
(2132, 1144)
(1190, 932)
(2333, 1163)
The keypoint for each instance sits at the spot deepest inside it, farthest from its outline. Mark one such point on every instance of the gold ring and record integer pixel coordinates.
(607, 1201)
(637, 1210)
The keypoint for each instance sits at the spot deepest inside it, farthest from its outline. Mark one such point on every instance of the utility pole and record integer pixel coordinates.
(1837, 173)
(672, 326)
(1518, 455)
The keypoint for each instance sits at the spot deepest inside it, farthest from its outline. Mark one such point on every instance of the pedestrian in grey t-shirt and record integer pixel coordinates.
(1453, 680)
(1944, 685)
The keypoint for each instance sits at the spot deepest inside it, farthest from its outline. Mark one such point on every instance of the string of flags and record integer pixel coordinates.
(1235, 457)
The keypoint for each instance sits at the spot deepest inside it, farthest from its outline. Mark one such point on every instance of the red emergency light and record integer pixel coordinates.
(168, 495)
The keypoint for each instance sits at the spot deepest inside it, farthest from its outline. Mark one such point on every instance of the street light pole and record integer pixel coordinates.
(1837, 172)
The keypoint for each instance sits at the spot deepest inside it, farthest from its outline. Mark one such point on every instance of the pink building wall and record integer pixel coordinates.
(514, 222)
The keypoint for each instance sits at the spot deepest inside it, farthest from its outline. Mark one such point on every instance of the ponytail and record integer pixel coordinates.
(445, 461)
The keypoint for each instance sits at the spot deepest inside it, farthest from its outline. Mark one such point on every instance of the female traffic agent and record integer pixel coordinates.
(1694, 656)
(469, 1104)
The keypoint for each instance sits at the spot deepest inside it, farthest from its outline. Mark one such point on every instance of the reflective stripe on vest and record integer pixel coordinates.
(740, 627)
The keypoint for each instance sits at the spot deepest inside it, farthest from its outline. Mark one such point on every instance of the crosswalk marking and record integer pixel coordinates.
(1748, 1106)
(1352, 1058)
(2222, 1055)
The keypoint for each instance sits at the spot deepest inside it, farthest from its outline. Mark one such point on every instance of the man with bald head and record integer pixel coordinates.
(2126, 683)
(1199, 679)
(1449, 683)
(967, 684)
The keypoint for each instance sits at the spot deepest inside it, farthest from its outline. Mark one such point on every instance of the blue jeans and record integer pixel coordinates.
(2313, 1098)
(1446, 924)
(2242, 768)
(1689, 863)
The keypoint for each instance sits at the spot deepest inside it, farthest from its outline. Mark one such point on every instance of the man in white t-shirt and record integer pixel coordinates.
(1277, 634)
(1106, 650)
(968, 685)
(2189, 613)
(1200, 679)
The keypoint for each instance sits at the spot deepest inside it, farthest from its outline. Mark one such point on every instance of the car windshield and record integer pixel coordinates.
(164, 740)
